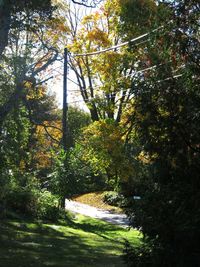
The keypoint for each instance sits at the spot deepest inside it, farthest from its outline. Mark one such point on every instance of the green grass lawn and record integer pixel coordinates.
(81, 241)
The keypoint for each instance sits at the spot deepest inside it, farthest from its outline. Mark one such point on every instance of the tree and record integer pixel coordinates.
(77, 120)
(24, 102)
(9, 19)
(23, 69)
(71, 173)
(166, 118)
(103, 79)
(103, 143)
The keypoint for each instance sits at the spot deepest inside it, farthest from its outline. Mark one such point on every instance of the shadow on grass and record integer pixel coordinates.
(27, 244)
(98, 227)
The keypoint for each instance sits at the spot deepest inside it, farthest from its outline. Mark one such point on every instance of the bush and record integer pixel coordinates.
(26, 198)
(72, 176)
(23, 195)
(47, 206)
(137, 256)
(169, 224)
(113, 198)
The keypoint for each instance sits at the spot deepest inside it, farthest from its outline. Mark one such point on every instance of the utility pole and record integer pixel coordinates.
(65, 129)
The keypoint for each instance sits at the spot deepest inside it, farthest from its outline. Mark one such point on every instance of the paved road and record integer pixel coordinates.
(119, 219)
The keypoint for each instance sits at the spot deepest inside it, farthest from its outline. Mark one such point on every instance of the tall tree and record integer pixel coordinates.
(9, 10)
(22, 65)
(103, 79)
(23, 102)
(167, 122)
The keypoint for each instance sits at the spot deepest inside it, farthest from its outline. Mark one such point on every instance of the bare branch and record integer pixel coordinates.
(87, 3)
(55, 140)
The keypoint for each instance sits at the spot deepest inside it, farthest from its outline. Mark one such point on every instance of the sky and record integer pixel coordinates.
(55, 86)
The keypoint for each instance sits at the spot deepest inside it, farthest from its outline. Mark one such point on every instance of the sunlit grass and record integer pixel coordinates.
(79, 242)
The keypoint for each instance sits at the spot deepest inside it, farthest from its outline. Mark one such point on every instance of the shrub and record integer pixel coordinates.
(23, 195)
(113, 198)
(137, 256)
(47, 206)
(27, 198)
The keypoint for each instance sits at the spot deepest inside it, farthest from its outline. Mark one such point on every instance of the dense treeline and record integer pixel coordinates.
(30, 120)
(167, 121)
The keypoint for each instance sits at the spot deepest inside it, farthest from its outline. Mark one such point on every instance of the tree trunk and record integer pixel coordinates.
(94, 114)
(5, 20)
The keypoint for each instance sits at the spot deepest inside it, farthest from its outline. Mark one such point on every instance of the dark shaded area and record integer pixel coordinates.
(36, 244)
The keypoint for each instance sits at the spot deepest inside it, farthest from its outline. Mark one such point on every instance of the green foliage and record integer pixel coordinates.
(14, 155)
(77, 120)
(61, 180)
(47, 206)
(113, 198)
(24, 196)
(137, 16)
(168, 124)
(104, 149)
(138, 256)
(72, 175)
(24, 103)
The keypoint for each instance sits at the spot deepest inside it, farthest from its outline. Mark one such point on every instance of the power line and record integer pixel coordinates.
(118, 46)
(119, 91)
(94, 98)
(170, 78)
(131, 75)
(98, 86)
(73, 82)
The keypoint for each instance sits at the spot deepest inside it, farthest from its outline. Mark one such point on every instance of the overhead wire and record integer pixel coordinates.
(95, 98)
(117, 46)
(131, 75)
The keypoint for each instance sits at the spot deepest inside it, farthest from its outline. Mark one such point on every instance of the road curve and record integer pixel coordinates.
(114, 218)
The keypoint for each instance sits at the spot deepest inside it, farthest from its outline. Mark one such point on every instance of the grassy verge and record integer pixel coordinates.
(81, 241)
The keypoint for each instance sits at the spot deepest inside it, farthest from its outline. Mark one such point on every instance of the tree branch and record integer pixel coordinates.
(85, 3)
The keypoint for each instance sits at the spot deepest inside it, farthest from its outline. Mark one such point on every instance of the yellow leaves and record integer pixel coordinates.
(34, 93)
(98, 36)
(57, 29)
(111, 7)
(43, 157)
(56, 2)
(53, 128)
(58, 24)
(107, 65)
(76, 46)
(105, 129)
(55, 38)
(144, 157)
(63, 28)
(104, 149)
(95, 31)
(103, 136)
(28, 85)
(103, 142)
(92, 18)
(112, 57)
(22, 165)
(163, 112)
(87, 19)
